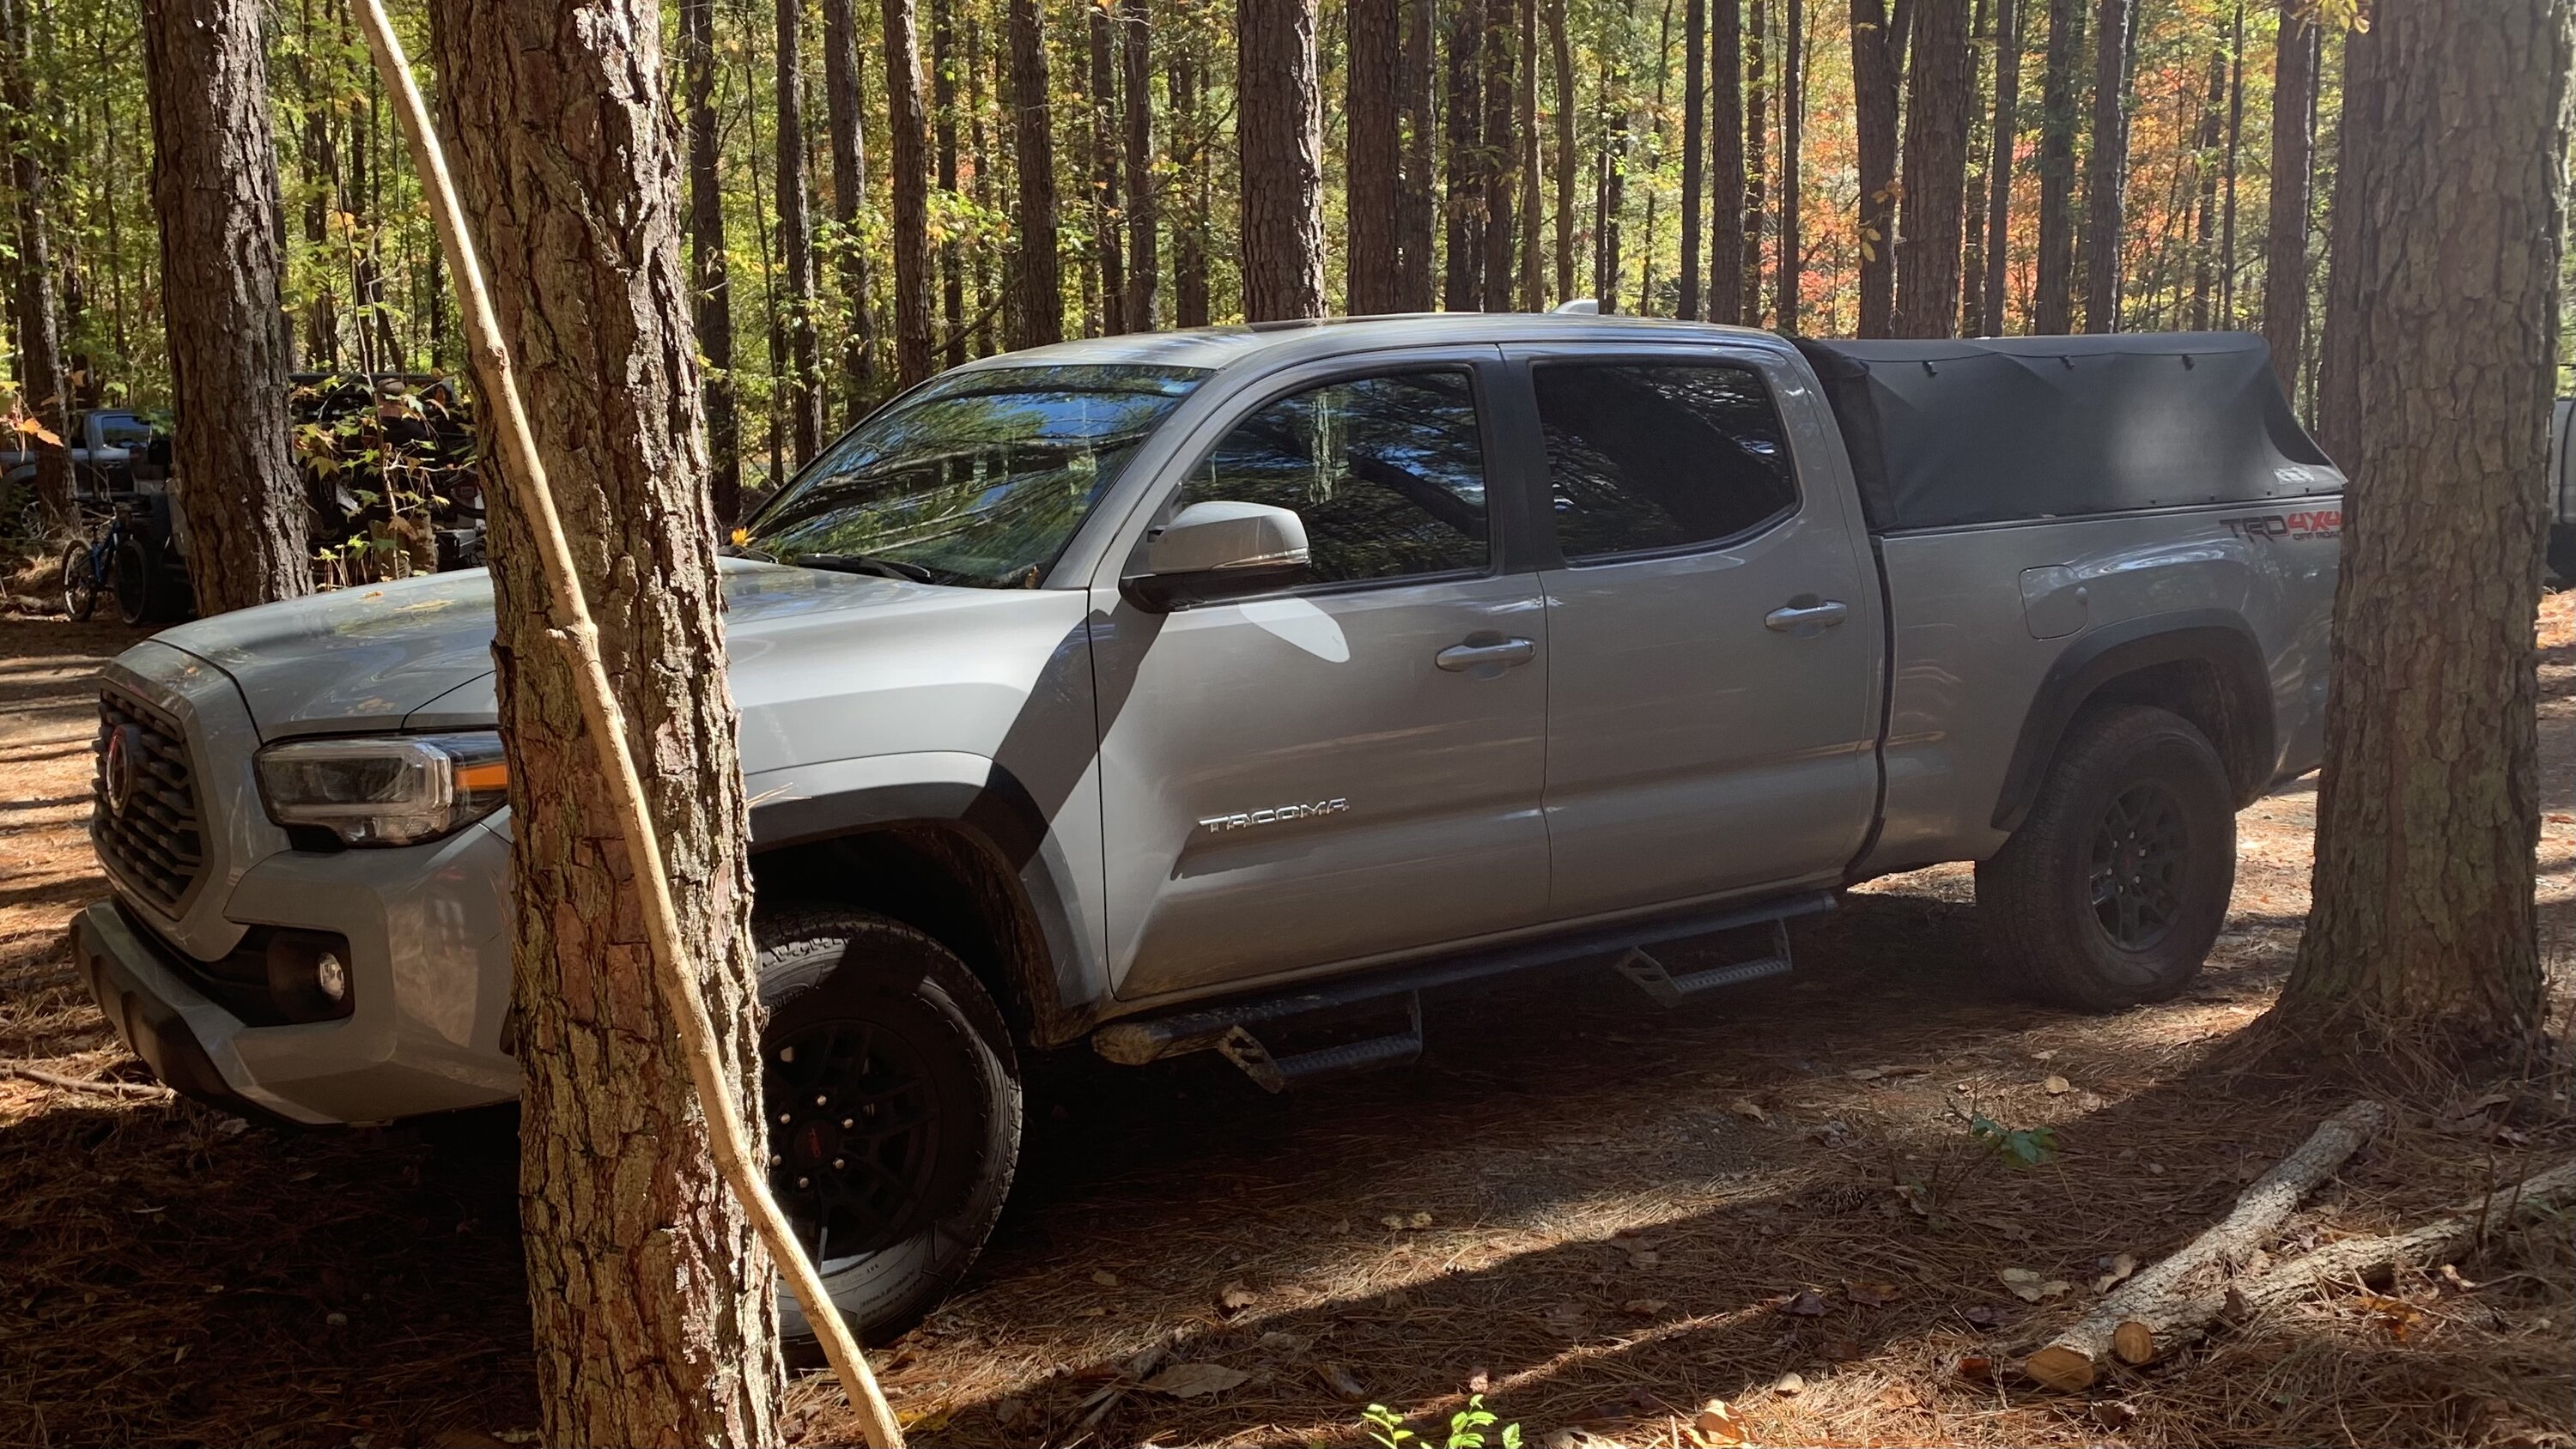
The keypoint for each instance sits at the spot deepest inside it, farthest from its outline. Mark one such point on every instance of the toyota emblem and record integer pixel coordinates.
(117, 770)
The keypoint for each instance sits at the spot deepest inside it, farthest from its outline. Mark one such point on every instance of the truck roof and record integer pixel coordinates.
(1215, 347)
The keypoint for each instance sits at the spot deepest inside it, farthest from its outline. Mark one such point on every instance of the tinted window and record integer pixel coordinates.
(1387, 473)
(1645, 457)
(978, 479)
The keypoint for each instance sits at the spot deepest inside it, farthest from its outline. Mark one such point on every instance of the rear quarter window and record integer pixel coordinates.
(1652, 457)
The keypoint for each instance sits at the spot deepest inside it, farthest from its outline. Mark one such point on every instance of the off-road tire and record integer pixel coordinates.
(820, 965)
(2039, 899)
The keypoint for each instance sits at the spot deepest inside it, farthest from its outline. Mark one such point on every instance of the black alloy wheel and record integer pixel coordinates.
(2137, 867)
(854, 1134)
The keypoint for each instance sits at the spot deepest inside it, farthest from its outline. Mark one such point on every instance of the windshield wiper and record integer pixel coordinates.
(866, 563)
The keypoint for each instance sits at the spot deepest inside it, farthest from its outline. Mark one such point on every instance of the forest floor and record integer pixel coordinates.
(1601, 1215)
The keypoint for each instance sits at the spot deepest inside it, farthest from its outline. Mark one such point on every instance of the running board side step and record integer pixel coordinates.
(1235, 1024)
(1667, 990)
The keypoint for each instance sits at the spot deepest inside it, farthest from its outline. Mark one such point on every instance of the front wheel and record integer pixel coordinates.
(2113, 890)
(136, 576)
(892, 1100)
(80, 584)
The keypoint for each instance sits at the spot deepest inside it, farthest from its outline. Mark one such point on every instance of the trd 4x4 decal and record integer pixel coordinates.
(2313, 523)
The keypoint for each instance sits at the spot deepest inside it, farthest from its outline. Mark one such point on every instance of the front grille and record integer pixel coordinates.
(152, 835)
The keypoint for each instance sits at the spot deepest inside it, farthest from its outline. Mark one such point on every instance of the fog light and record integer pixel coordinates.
(308, 975)
(331, 976)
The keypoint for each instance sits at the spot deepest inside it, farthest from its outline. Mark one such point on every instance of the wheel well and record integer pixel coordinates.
(941, 879)
(2196, 690)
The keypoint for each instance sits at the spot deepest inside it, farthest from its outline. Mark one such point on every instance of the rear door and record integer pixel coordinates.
(1714, 635)
(1350, 767)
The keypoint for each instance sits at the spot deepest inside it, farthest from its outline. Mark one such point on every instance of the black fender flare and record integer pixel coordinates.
(2219, 638)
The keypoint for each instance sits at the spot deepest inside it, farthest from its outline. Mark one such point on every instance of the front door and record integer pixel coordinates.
(1351, 767)
(1712, 690)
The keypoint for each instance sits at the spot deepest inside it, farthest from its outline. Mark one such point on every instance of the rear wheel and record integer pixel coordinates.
(80, 586)
(2113, 890)
(892, 1099)
(136, 576)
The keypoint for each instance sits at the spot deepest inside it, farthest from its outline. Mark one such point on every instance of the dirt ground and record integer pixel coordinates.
(1600, 1214)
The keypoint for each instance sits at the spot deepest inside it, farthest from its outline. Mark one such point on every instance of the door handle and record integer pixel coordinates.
(1460, 658)
(1806, 618)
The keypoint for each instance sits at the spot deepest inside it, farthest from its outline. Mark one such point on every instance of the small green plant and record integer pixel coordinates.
(2016, 1146)
(1466, 1428)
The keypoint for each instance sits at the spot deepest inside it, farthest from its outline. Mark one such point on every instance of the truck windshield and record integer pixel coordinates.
(978, 479)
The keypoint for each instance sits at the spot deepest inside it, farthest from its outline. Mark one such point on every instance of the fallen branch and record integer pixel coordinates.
(568, 617)
(82, 1084)
(2129, 1322)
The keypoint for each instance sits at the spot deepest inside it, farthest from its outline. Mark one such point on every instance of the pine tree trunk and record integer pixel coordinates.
(1280, 131)
(653, 1304)
(1108, 209)
(2285, 247)
(1419, 198)
(1498, 155)
(1373, 156)
(2423, 932)
(843, 74)
(2107, 169)
(908, 148)
(1686, 298)
(1928, 223)
(710, 290)
(990, 148)
(41, 376)
(2338, 399)
(2052, 303)
(1189, 226)
(1999, 169)
(214, 185)
(2204, 260)
(2227, 185)
(1136, 71)
(1726, 179)
(1793, 104)
(943, 106)
(1874, 92)
(1560, 47)
(800, 390)
(1607, 265)
(1757, 156)
(1037, 276)
(1463, 282)
(1533, 260)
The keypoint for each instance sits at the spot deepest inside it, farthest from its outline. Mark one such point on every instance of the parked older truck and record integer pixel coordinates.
(1232, 689)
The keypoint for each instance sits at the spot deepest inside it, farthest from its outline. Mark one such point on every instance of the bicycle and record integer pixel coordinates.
(119, 560)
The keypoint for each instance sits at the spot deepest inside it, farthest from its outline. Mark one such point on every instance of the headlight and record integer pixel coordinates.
(386, 791)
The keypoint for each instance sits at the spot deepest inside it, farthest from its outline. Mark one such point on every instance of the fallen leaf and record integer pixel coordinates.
(2451, 1275)
(1872, 1294)
(1190, 1380)
(1642, 1307)
(1644, 1258)
(1747, 1109)
(1845, 1350)
(1011, 1411)
(2029, 1287)
(2048, 1055)
(1983, 1315)
(1338, 1379)
(1393, 1221)
(1716, 1425)
(2057, 1086)
(1565, 1320)
(2116, 1273)
(1281, 1341)
(1233, 1298)
(1418, 1220)
(2006, 1228)
(1976, 1366)
(1104, 1277)
(1866, 1074)
(1804, 1303)
(1789, 1385)
(2112, 1414)
(1480, 1381)
(1897, 1396)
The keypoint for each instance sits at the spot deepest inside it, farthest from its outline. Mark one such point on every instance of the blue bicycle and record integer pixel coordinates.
(119, 560)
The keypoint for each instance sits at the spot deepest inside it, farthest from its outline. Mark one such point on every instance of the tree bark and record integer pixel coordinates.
(711, 290)
(1462, 287)
(2107, 169)
(2052, 303)
(1561, 49)
(2338, 399)
(1686, 298)
(1757, 149)
(1136, 71)
(943, 108)
(800, 388)
(2204, 258)
(2423, 931)
(1418, 226)
(1533, 260)
(2235, 147)
(1373, 157)
(1793, 104)
(1610, 197)
(2285, 245)
(1726, 176)
(214, 185)
(1280, 132)
(908, 147)
(1874, 81)
(1189, 225)
(42, 381)
(655, 1319)
(1108, 210)
(842, 72)
(1037, 312)
(1999, 168)
(1500, 153)
(1936, 157)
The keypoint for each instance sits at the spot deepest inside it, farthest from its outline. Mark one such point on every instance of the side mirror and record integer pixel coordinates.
(1217, 550)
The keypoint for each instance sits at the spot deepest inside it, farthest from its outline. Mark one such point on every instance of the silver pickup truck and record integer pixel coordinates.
(1229, 690)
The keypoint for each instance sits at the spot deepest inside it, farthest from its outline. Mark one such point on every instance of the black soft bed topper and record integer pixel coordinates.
(1954, 431)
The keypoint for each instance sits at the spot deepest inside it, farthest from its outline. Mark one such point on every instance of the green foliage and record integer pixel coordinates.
(2015, 1146)
(1466, 1428)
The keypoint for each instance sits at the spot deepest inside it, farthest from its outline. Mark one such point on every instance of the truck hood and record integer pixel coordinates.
(418, 653)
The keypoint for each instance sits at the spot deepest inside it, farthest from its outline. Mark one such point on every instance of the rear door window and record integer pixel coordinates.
(1649, 457)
